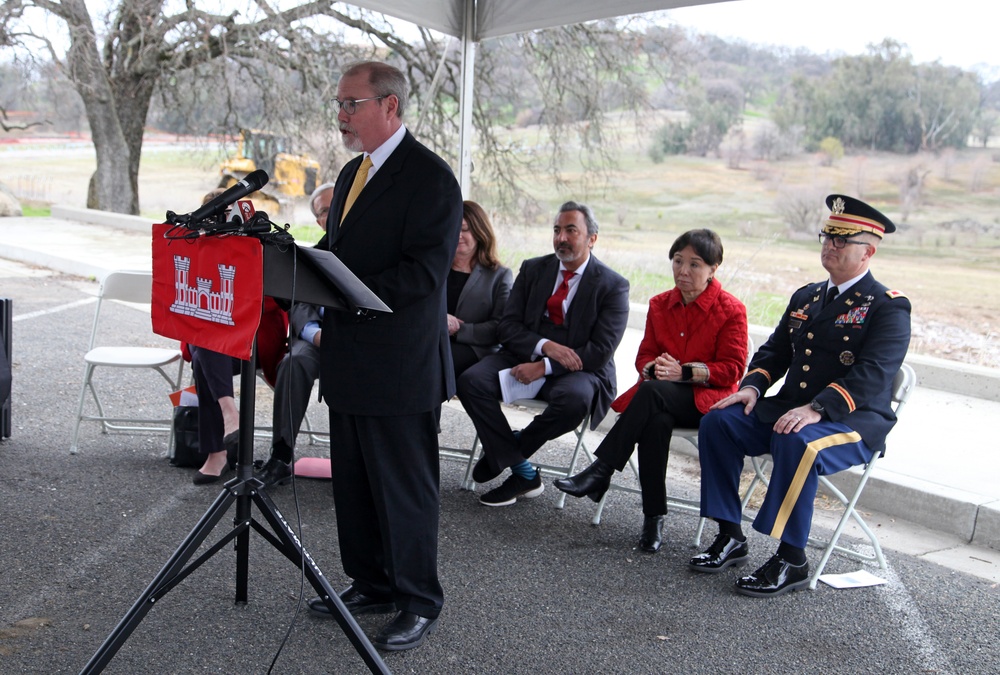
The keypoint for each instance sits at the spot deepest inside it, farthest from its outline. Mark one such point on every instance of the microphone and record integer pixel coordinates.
(254, 181)
(243, 211)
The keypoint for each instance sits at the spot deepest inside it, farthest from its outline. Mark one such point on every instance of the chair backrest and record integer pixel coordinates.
(128, 286)
(903, 385)
(125, 285)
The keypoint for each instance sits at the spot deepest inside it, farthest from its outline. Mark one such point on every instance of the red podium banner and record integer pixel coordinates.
(208, 291)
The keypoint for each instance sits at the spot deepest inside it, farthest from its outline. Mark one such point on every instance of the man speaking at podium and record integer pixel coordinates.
(394, 222)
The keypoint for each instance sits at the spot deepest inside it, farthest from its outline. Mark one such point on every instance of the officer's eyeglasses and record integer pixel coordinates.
(839, 242)
(350, 106)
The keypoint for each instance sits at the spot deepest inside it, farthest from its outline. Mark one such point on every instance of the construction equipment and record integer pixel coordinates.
(291, 175)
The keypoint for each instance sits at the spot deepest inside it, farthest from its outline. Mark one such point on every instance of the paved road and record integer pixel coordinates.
(529, 589)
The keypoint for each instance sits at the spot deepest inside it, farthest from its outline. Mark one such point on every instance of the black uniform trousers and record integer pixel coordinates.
(649, 420)
(386, 485)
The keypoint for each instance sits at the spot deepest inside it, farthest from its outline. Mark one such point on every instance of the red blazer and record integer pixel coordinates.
(711, 330)
(272, 340)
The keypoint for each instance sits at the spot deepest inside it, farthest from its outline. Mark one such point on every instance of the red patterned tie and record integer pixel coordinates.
(554, 304)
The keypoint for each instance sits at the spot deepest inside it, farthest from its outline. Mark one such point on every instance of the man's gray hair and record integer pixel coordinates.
(588, 215)
(384, 79)
(316, 193)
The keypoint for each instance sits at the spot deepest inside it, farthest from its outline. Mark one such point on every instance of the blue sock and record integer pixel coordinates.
(524, 470)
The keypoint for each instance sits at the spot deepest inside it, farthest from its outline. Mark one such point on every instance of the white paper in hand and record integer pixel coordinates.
(513, 390)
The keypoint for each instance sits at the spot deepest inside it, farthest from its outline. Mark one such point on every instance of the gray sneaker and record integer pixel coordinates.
(512, 488)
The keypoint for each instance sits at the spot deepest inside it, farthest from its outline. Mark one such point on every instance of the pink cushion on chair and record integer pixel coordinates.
(313, 467)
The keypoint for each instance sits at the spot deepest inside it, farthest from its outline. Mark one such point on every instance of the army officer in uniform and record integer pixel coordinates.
(839, 344)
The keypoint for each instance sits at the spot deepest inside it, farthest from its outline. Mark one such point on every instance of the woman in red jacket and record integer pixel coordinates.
(693, 354)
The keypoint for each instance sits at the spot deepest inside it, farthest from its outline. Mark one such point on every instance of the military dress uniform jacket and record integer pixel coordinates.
(843, 355)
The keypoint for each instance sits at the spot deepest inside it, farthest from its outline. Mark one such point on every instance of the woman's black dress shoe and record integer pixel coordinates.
(652, 534)
(207, 479)
(593, 481)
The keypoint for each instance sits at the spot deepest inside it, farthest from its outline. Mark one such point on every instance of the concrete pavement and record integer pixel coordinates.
(939, 473)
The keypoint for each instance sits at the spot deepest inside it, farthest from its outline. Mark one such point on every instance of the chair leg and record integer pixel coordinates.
(580, 432)
(79, 409)
(467, 482)
(849, 512)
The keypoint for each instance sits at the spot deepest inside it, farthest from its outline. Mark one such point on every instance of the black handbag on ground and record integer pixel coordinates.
(186, 453)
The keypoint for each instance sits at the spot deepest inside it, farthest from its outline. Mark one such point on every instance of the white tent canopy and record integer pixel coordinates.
(494, 18)
(474, 20)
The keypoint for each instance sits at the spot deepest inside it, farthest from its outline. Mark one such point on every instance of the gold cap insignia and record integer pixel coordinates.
(838, 206)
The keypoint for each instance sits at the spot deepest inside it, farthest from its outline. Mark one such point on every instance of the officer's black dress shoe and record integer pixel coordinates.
(775, 577)
(593, 481)
(724, 552)
(274, 472)
(356, 603)
(406, 630)
(652, 534)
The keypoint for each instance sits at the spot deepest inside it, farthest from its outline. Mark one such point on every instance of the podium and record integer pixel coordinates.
(294, 274)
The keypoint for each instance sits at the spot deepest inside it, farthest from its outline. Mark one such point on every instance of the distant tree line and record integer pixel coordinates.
(878, 101)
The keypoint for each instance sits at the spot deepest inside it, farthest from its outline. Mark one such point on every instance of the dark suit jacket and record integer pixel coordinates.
(399, 238)
(595, 322)
(480, 306)
(843, 355)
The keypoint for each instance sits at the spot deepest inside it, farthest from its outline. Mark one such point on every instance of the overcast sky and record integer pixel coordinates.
(958, 32)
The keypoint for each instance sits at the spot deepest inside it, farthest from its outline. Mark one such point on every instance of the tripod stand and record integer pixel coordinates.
(244, 492)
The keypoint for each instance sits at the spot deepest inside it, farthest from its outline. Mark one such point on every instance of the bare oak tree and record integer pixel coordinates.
(289, 60)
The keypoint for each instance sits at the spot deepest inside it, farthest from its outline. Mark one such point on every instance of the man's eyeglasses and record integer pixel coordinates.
(839, 242)
(350, 106)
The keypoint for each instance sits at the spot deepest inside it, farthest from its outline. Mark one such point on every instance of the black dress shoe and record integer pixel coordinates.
(207, 478)
(356, 603)
(724, 552)
(406, 630)
(483, 471)
(775, 577)
(274, 472)
(231, 442)
(652, 534)
(593, 481)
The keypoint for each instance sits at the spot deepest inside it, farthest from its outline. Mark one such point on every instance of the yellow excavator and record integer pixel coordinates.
(291, 175)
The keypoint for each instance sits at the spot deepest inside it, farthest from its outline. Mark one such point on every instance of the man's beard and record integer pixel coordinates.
(566, 255)
(351, 141)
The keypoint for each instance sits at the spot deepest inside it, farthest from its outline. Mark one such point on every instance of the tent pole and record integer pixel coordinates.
(465, 103)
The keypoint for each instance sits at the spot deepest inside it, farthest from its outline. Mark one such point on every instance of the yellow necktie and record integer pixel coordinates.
(360, 178)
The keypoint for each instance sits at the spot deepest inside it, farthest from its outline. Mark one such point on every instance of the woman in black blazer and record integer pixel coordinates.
(478, 286)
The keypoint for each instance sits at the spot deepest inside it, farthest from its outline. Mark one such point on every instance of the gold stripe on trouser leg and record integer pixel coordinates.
(805, 466)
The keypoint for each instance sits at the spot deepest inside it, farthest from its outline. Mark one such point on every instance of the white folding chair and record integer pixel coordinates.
(134, 287)
(903, 384)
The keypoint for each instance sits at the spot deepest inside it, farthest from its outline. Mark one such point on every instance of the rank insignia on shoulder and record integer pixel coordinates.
(895, 294)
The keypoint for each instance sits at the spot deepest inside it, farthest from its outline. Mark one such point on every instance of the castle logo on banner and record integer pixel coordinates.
(208, 291)
(199, 300)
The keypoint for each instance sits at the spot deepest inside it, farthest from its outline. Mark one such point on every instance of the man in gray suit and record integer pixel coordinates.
(297, 371)
(563, 321)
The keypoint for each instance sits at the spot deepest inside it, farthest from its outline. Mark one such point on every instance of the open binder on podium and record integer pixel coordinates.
(318, 277)
(187, 287)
